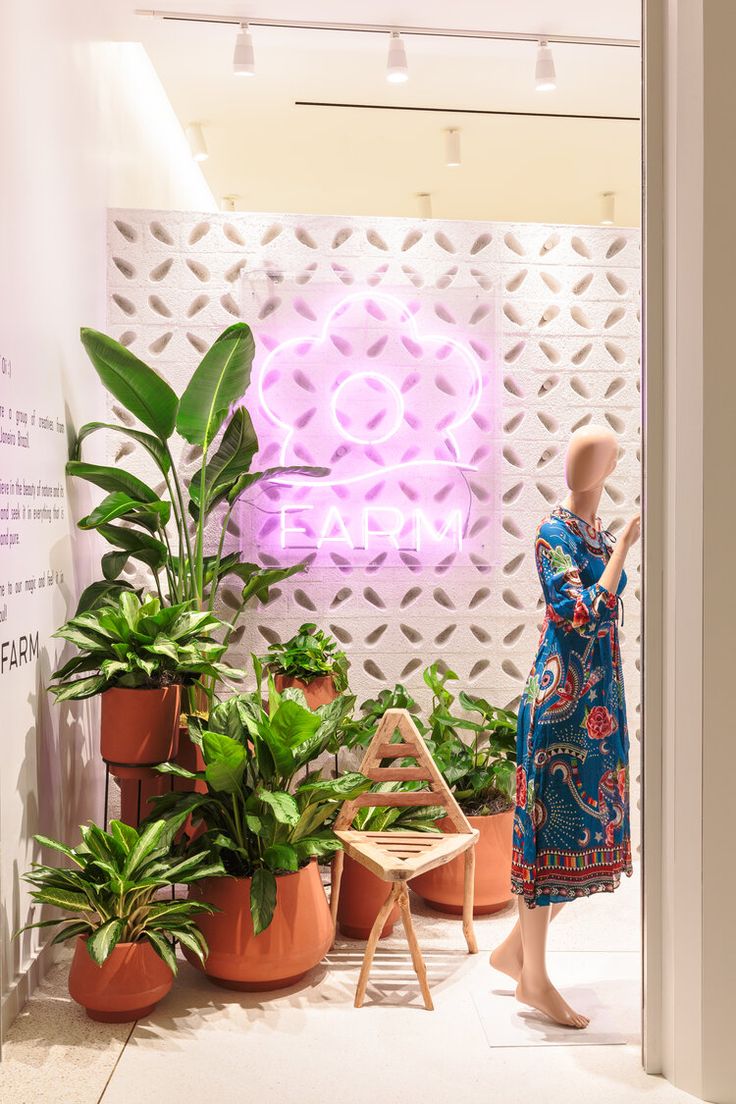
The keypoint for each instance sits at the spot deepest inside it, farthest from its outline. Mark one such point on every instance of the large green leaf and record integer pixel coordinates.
(293, 723)
(281, 856)
(148, 843)
(259, 583)
(132, 540)
(112, 480)
(262, 899)
(133, 383)
(163, 949)
(105, 939)
(152, 515)
(225, 761)
(63, 899)
(99, 593)
(283, 805)
(249, 478)
(153, 445)
(233, 457)
(220, 380)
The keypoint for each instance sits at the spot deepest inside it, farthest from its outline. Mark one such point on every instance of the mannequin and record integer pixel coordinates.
(572, 743)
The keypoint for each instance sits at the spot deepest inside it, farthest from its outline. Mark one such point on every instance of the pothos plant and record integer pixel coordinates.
(166, 529)
(310, 654)
(481, 771)
(260, 821)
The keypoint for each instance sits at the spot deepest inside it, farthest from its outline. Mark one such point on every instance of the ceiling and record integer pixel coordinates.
(274, 154)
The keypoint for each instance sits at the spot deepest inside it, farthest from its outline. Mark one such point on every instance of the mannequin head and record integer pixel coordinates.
(591, 457)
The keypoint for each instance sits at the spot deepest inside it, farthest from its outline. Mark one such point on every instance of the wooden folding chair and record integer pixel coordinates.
(398, 856)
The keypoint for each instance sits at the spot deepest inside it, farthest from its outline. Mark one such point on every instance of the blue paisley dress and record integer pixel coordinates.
(571, 825)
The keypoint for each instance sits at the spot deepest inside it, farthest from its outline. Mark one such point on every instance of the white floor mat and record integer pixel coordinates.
(606, 987)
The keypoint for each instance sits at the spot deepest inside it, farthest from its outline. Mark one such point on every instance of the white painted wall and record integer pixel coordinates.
(84, 123)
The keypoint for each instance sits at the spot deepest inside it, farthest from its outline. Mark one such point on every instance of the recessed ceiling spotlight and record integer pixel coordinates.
(197, 143)
(452, 148)
(544, 72)
(608, 209)
(244, 58)
(397, 67)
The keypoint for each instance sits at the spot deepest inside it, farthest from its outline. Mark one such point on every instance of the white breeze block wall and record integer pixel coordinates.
(551, 316)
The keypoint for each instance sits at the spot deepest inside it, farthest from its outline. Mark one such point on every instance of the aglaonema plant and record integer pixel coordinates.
(167, 531)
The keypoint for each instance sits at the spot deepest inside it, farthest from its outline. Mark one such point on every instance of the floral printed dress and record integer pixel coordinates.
(571, 826)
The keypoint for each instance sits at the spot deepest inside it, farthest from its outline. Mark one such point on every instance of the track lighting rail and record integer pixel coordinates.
(386, 28)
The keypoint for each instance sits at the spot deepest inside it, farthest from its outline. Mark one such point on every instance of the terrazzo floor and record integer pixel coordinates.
(308, 1044)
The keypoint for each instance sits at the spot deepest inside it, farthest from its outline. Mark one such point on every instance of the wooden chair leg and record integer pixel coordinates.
(416, 954)
(337, 865)
(468, 896)
(370, 947)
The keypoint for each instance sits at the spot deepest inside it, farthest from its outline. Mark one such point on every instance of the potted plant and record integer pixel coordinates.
(267, 828)
(167, 532)
(312, 662)
(138, 653)
(482, 775)
(125, 931)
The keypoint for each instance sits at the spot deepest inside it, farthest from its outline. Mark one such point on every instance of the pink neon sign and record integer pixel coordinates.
(395, 412)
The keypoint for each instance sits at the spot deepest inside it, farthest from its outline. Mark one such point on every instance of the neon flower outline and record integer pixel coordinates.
(406, 316)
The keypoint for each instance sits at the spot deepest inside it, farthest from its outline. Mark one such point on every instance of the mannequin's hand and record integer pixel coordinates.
(631, 532)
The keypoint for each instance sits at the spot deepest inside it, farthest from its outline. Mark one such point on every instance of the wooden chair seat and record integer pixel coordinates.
(398, 856)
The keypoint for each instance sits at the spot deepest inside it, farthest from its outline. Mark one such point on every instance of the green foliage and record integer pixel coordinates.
(166, 532)
(481, 771)
(127, 642)
(112, 892)
(310, 654)
(260, 821)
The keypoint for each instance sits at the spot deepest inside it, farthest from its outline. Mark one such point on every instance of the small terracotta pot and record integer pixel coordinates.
(361, 896)
(318, 691)
(139, 728)
(297, 938)
(442, 888)
(127, 986)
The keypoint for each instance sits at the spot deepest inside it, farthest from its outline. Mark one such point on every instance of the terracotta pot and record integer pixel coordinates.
(137, 786)
(361, 896)
(442, 888)
(318, 691)
(127, 986)
(139, 728)
(297, 938)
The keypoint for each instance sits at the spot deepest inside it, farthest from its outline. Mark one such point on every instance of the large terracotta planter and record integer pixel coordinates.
(297, 938)
(443, 887)
(361, 896)
(139, 728)
(318, 691)
(127, 986)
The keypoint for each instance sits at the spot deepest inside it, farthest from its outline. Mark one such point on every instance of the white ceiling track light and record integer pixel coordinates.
(544, 71)
(397, 67)
(424, 202)
(452, 148)
(383, 28)
(197, 143)
(244, 58)
(608, 209)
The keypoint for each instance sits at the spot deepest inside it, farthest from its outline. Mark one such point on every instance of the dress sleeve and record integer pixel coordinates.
(568, 601)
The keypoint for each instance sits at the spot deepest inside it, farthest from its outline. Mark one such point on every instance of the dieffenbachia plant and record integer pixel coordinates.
(166, 531)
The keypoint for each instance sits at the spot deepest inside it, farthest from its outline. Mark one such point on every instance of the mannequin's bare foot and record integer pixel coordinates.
(507, 959)
(546, 999)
